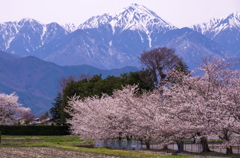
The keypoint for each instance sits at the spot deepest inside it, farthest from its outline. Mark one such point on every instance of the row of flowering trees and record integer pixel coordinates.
(186, 106)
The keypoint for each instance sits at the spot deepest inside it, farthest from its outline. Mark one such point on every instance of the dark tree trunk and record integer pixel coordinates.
(129, 142)
(165, 147)
(204, 145)
(147, 142)
(181, 146)
(119, 141)
(128, 138)
(229, 151)
(140, 139)
(194, 140)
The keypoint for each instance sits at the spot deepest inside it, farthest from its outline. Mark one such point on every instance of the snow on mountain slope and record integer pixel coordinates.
(116, 40)
(24, 36)
(216, 25)
(133, 17)
(225, 31)
(70, 27)
(211, 25)
(8, 30)
(192, 46)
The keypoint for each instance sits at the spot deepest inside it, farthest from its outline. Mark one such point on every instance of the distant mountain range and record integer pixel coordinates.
(224, 31)
(110, 44)
(115, 40)
(35, 80)
(27, 35)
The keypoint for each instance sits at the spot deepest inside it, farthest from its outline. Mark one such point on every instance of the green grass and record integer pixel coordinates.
(70, 142)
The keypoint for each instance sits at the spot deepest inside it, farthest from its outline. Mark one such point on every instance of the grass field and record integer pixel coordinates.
(71, 143)
(74, 143)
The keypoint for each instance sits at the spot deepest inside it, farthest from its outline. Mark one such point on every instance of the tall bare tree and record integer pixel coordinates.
(157, 61)
(62, 83)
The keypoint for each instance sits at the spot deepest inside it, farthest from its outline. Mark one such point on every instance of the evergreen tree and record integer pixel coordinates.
(46, 114)
(55, 110)
(182, 67)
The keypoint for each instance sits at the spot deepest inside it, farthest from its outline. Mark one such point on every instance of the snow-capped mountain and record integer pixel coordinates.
(225, 31)
(110, 40)
(134, 17)
(191, 46)
(216, 25)
(27, 35)
(69, 27)
(8, 31)
(115, 40)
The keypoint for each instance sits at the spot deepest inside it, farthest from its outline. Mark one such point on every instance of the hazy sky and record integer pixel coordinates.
(180, 13)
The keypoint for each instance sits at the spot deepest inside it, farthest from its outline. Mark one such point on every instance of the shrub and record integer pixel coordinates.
(34, 130)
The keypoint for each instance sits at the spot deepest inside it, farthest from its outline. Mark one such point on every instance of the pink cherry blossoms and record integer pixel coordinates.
(199, 106)
(9, 107)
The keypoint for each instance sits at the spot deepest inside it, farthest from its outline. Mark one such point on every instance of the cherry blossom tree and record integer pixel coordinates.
(9, 107)
(125, 114)
(204, 102)
(28, 116)
(98, 117)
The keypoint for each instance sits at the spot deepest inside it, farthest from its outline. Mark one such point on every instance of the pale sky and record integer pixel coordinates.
(180, 13)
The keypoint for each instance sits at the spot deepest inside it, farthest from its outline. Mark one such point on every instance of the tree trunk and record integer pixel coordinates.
(120, 142)
(129, 142)
(181, 146)
(165, 147)
(229, 151)
(204, 145)
(141, 141)
(147, 142)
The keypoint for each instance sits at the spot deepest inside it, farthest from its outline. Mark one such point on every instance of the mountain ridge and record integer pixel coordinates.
(114, 40)
(26, 35)
(225, 31)
(35, 80)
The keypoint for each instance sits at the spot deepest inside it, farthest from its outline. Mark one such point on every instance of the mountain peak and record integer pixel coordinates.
(133, 17)
(235, 15)
(224, 30)
(27, 20)
(31, 21)
(233, 20)
(135, 8)
(70, 27)
(135, 4)
(217, 25)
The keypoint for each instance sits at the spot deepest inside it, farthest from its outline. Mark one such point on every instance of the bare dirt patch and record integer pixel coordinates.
(46, 152)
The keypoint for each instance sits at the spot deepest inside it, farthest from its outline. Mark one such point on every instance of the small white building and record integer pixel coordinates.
(21, 121)
(36, 121)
